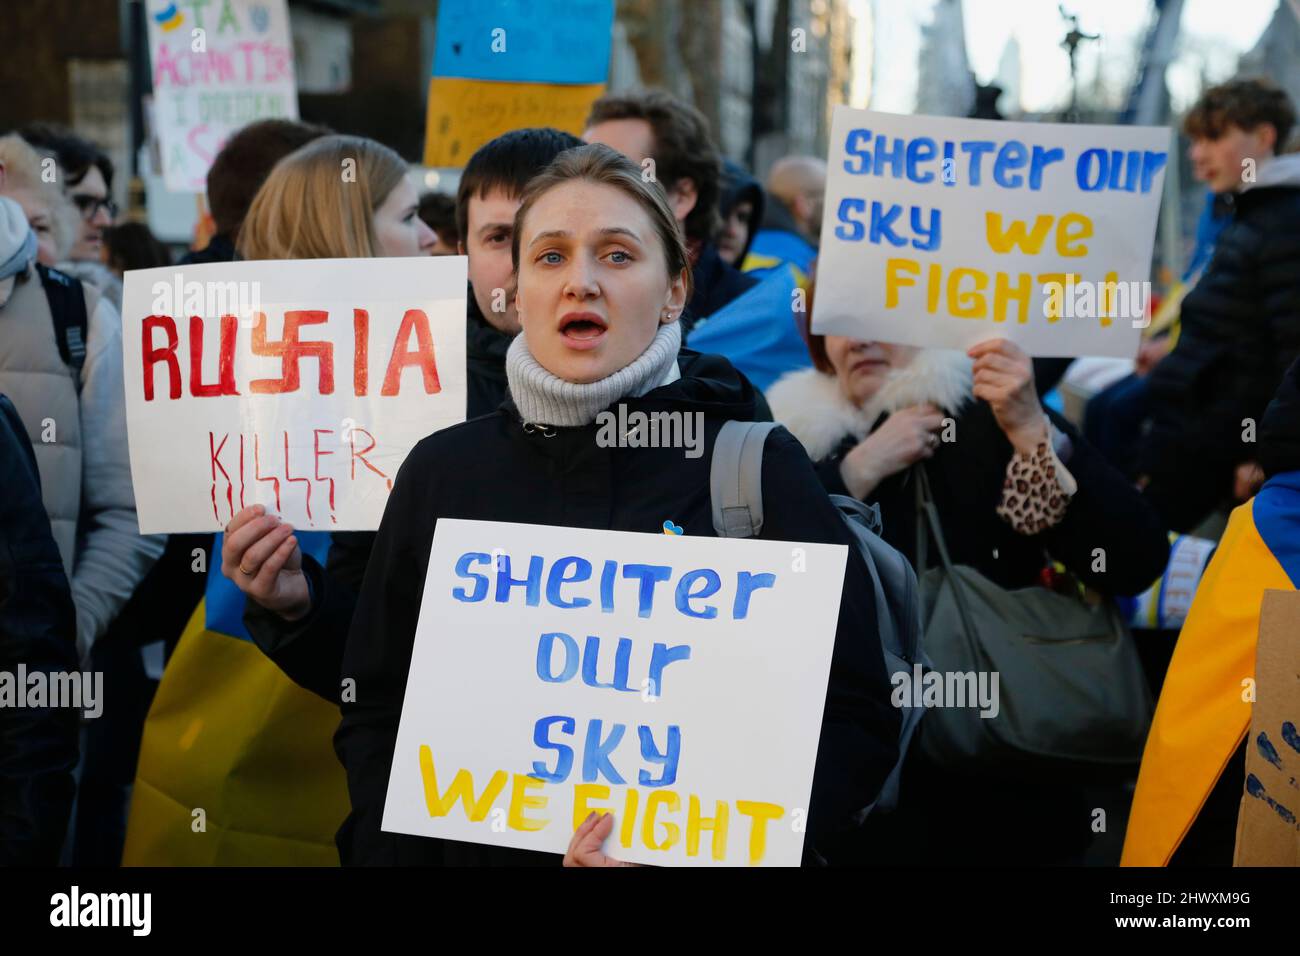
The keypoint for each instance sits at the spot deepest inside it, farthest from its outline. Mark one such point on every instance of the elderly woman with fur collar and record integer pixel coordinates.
(1013, 484)
(1011, 480)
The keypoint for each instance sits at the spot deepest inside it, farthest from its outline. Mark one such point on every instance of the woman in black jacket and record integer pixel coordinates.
(1017, 490)
(602, 279)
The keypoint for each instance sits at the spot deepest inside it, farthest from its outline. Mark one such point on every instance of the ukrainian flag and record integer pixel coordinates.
(237, 765)
(1204, 709)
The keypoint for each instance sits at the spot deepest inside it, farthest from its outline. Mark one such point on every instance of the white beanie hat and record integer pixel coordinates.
(17, 246)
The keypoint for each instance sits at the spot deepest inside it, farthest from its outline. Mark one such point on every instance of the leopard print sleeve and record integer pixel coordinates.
(1037, 490)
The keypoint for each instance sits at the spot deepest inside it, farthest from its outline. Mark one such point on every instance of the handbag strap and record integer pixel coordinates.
(927, 519)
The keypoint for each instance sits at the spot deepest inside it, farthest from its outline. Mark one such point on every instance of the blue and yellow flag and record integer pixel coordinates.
(1204, 708)
(237, 765)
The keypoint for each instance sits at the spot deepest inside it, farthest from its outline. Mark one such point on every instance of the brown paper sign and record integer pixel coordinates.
(1268, 825)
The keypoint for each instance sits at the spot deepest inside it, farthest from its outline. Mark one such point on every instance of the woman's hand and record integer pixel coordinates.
(1004, 377)
(584, 848)
(1150, 353)
(261, 555)
(1247, 480)
(906, 437)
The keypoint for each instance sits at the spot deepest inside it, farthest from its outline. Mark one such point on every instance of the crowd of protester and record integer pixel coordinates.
(1025, 496)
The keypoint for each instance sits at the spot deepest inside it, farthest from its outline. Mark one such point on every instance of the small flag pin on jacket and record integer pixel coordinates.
(670, 528)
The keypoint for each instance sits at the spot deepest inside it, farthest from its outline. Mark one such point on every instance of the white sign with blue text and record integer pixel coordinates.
(675, 682)
(945, 232)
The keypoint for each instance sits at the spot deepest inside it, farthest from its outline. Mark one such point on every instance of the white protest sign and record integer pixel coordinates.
(300, 385)
(678, 683)
(216, 66)
(945, 232)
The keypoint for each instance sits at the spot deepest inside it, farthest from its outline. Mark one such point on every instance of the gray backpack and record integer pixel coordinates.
(736, 491)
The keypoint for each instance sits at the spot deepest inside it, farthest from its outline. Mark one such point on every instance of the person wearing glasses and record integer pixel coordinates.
(86, 174)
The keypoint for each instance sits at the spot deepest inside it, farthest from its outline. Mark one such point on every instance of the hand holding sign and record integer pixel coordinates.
(260, 554)
(1004, 377)
(584, 848)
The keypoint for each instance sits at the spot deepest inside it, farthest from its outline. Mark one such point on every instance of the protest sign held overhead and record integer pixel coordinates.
(300, 385)
(216, 67)
(946, 232)
(511, 64)
(557, 671)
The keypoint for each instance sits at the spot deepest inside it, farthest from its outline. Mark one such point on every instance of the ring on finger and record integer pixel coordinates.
(247, 573)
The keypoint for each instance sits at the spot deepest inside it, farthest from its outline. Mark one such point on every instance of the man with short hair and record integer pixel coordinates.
(792, 222)
(237, 174)
(1240, 326)
(671, 141)
(87, 179)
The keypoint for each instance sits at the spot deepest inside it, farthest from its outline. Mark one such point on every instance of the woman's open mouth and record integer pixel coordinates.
(582, 330)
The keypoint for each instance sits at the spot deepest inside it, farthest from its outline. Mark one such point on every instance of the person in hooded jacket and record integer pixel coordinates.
(1241, 324)
(1013, 483)
(741, 206)
(602, 278)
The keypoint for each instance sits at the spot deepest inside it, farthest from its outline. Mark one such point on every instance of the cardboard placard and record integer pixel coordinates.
(524, 41)
(1268, 824)
(465, 114)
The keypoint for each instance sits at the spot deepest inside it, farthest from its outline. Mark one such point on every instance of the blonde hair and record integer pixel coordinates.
(319, 201)
(22, 171)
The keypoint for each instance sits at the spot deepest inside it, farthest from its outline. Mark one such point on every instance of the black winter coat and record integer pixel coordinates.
(1240, 332)
(38, 628)
(490, 469)
(1279, 432)
(716, 284)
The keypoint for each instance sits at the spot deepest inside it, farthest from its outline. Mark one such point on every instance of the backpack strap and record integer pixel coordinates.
(736, 479)
(67, 300)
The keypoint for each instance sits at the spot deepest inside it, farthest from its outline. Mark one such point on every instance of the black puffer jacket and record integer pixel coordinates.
(38, 628)
(1240, 332)
(490, 469)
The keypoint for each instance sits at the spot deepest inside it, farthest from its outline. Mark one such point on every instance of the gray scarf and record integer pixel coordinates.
(546, 399)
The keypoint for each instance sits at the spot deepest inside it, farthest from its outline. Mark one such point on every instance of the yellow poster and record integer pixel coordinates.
(465, 114)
